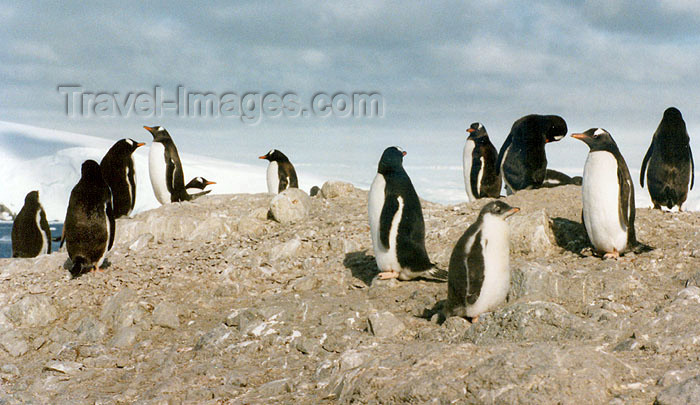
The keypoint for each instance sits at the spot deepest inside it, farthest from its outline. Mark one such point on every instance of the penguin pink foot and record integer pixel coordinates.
(475, 319)
(612, 255)
(386, 275)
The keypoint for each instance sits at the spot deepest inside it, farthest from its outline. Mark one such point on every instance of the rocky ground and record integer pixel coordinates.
(211, 301)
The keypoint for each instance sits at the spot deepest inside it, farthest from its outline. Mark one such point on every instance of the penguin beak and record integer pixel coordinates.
(512, 211)
(403, 153)
(470, 130)
(140, 144)
(262, 157)
(210, 182)
(579, 136)
(149, 129)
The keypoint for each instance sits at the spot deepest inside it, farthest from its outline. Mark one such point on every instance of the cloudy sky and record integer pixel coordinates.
(438, 65)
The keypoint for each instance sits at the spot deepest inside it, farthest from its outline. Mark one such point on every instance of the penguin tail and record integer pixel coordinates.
(197, 195)
(640, 247)
(435, 273)
(77, 268)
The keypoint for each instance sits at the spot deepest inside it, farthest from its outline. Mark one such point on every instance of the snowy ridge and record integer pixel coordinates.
(49, 161)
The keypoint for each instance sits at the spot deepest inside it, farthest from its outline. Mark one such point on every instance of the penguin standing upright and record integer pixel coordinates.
(481, 177)
(479, 275)
(199, 183)
(165, 168)
(608, 196)
(396, 222)
(522, 159)
(31, 234)
(118, 171)
(280, 172)
(670, 162)
(88, 231)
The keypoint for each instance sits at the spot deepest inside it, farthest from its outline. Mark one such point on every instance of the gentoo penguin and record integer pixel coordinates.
(479, 274)
(554, 178)
(165, 168)
(88, 230)
(481, 177)
(280, 172)
(522, 160)
(670, 162)
(608, 195)
(118, 171)
(396, 222)
(31, 234)
(199, 183)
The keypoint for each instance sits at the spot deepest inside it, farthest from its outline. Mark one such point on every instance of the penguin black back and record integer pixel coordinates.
(199, 183)
(410, 237)
(118, 171)
(522, 159)
(286, 175)
(669, 161)
(88, 230)
(30, 230)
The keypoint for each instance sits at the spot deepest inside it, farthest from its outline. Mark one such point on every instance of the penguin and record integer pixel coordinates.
(522, 160)
(88, 231)
(670, 162)
(481, 177)
(199, 183)
(165, 168)
(478, 278)
(608, 196)
(118, 171)
(554, 178)
(31, 234)
(280, 172)
(396, 223)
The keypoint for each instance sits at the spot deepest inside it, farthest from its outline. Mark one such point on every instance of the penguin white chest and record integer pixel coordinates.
(386, 258)
(273, 178)
(44, 241)
(467, 168)
(495, 244)
(600, 197)
(157, 169)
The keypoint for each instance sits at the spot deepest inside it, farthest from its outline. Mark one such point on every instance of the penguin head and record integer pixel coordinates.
(555, 129)
(274, 156)
(159, 133)
(199, 182)
(673, 127)
(597, 139)
(128, 145)
(392, 159)
(672, 113)
(477, 132)
(498, 209)
(32, 198)
(90, 170)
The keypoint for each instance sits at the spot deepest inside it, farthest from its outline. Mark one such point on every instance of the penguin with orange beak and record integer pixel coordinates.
(118, 171)
(199, 183)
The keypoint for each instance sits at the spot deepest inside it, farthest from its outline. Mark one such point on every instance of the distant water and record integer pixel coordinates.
(6, 237)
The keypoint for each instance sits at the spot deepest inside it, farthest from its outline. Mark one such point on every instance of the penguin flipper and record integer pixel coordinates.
(644, 163)
(112, 224)
(474, 175)
(502, 152)
(475, 269)
(626, 210)
(197, 195)
(391, 205)
(284, 182)
(692, 168)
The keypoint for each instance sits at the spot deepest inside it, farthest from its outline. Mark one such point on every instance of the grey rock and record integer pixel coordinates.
(307, 346)
(33, 310)
(352, 359)
(673, 377)
(125, 337)
(91, 330)
(305, 283)
(285, 250)
(674, 329)
(334, 189)
(165, 315)
(384, 324)
(531, 233)
(533, 321)
(251, 226)
(243, 319)
(213, 338)
(456, 324)
(274, 388)
(142, 241)
(65, 367)
(687, 392)
(14, 343)
(10, 369)
(122, 310)
(291, 205)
